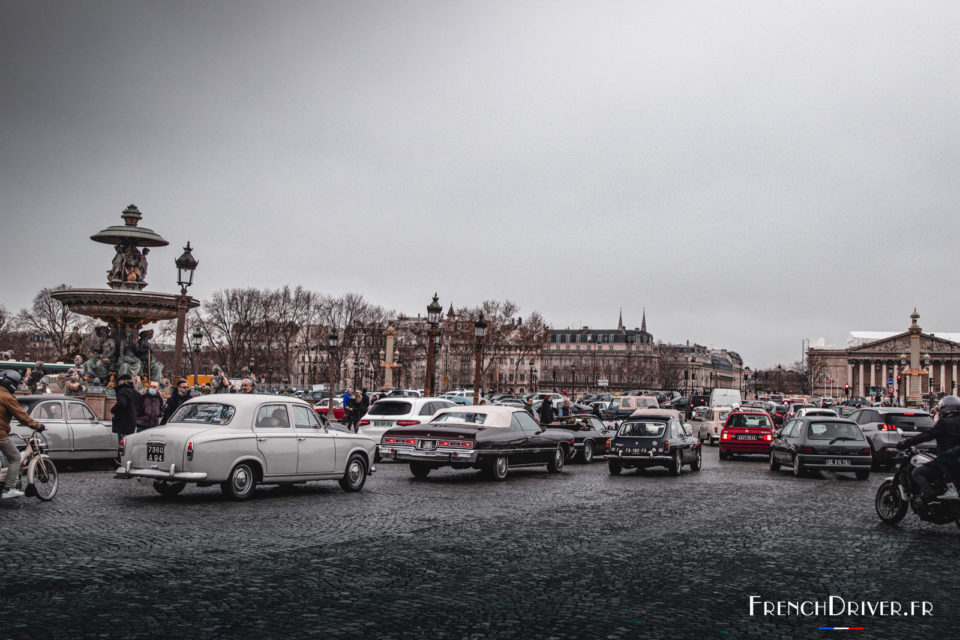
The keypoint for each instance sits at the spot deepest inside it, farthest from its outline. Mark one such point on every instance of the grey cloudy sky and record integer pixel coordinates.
(752, 173)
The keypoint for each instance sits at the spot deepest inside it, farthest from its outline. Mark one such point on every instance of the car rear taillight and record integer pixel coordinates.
(606, 447)
(363, 423)
(455, 443)
(389, 441)
(725, 436)
(887, 427)
(409, 441)
(407, 423)
(865, 451)
(666, 446)
(807, 450)
(189, 451)
(123, 444)
(767, 437)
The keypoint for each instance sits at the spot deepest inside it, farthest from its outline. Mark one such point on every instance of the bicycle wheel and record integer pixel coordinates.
(42, 474)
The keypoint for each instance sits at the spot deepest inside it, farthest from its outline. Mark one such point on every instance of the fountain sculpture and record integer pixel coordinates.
(122, 346)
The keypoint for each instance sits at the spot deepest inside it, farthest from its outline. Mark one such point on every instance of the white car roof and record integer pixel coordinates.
(499, 416)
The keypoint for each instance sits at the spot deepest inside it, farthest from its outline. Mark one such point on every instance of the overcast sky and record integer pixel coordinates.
(751, 173)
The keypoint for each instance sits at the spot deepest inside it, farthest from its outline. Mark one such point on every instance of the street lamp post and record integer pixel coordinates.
(197, 336)
(573, 374)
(332, 340)
(186, 264)
(480, 330)
(433, 318)
(436, 350)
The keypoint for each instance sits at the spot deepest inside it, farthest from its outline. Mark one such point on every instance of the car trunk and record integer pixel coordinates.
(160, 446)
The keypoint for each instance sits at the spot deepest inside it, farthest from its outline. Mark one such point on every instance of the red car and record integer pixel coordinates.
(746, 432)
(337, 410)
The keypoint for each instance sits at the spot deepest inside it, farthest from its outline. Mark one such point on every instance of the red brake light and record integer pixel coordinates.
(767, 437)
(123, 444)
(865, 451)
(466, 445)
(389, 441)
(410, 441)
(666, 446)
(363, 423)
(887, 427)
(606, 447)
(806, 450)
(407, 423)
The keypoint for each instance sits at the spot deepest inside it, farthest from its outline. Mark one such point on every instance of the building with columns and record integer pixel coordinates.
(906, 364)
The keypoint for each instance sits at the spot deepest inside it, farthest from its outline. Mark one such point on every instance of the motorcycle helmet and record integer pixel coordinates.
(10, 380)
(949, 404)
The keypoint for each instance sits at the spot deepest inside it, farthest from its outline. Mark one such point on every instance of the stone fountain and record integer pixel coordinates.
(122, 344)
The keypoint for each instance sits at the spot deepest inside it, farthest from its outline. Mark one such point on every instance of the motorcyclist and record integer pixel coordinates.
(946, 431)
(9, 407)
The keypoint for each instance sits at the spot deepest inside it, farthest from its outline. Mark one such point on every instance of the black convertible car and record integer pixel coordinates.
(591, 438)
(654, 440)
(490, 438)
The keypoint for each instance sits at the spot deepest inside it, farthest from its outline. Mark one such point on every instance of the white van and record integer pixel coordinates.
(725, 398)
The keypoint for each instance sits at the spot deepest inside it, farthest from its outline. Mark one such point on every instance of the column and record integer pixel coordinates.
(860, 388)
(884, 377)
(953, 378)
(943, 377)
(873, 374)
(850, 374)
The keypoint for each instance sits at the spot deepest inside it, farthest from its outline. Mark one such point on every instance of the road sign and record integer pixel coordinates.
(602, 382)
(890, 382)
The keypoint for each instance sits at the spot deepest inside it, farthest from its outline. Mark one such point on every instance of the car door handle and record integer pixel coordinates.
(261, 439)
(301, 439)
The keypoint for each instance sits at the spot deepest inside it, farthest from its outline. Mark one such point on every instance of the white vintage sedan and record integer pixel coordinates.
(239, 441)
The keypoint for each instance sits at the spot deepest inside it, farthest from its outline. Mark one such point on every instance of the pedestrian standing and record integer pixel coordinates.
(354, 411)
(364, 403)
(127, 408)
(345, 402)
(180, 395)
(546, 411)
(151, 409)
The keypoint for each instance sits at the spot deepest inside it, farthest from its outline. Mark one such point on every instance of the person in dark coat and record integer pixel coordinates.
(364, 403)
(127, 408)
(546, 411)
(946, 432)
(151, 409)
(354, 412)
(180, 395)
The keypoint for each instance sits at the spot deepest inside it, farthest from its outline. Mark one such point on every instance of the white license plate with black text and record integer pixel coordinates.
(838, 461)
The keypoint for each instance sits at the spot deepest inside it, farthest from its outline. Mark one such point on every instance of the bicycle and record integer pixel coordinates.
(41, 473)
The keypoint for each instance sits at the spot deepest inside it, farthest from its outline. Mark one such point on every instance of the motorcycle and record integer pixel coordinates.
(39, 470)
(899, 493)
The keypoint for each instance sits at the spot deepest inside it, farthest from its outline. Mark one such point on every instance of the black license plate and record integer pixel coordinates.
(155, 451)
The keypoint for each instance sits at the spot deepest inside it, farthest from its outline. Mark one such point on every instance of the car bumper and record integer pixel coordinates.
(856, 463)
(441, 456)
(641, 458)
(746, 446)
(128, 471)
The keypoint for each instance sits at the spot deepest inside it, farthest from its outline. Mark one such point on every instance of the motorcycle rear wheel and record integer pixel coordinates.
(891, 507)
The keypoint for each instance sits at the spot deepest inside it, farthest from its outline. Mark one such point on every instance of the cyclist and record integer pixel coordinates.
(9, 407)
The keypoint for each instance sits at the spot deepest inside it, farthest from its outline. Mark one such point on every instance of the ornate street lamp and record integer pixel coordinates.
(186, 264)
(436, 351)
(197, 336)
(479, 330)
(433, 317)
(332, 341)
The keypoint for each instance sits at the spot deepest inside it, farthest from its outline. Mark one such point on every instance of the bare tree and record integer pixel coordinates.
(528, 338)
(50, 318)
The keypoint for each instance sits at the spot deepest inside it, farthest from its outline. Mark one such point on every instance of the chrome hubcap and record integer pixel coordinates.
(241, 479)
(501, 465)
(354, 472)
(558, 458)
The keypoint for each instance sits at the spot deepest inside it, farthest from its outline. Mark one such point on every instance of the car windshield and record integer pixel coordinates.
(204, 413)
(471, 417)
(909, 421)
(831, 430)
(390, 408)
(642, 429)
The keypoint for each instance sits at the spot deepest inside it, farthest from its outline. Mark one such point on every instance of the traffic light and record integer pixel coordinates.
(846, 390)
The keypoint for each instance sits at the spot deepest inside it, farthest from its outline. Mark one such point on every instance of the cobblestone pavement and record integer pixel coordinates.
(577, 555)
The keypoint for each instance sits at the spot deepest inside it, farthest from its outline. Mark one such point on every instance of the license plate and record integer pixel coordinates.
(428, 444)
(382, 423)
(155, 451)
(746, 437)
(838, 461)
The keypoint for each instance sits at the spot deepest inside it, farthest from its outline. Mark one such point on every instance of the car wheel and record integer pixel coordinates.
(168, 489)
(774, 465)
(797, 467)
(499, 469)
(697, 463)
(556, 465)
(419, 469)
(241, 483)
(891, 507)
(355, 475)
(586, 456)
(677, 465)
(862, 475)
(615, 467)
